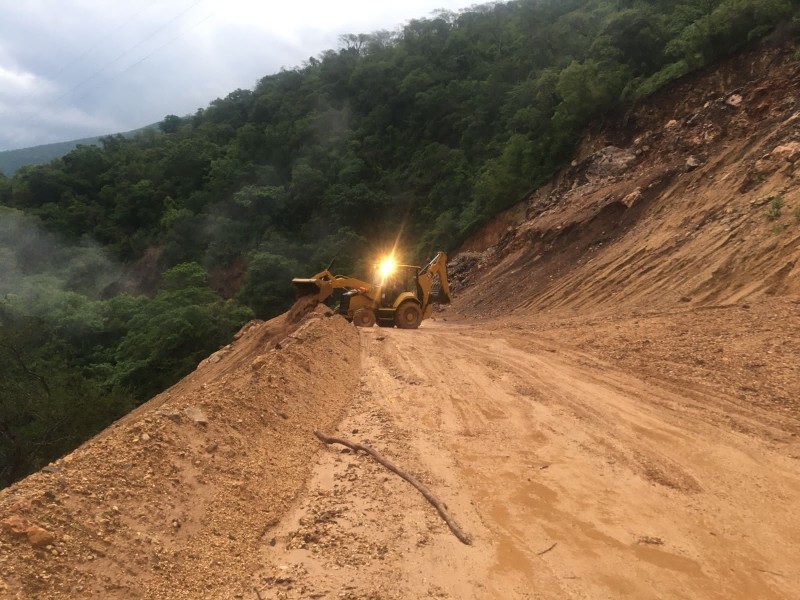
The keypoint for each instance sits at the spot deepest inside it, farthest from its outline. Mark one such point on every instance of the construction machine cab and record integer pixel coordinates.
(402, 279)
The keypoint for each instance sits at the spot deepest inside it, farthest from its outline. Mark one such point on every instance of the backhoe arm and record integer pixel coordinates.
(438, 266)
(321, 285)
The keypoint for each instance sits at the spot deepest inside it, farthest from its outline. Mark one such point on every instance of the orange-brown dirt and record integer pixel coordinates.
(174, 500)
(609, 409)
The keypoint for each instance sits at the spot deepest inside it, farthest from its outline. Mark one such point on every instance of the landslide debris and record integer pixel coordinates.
(691, 197)
(175, 500)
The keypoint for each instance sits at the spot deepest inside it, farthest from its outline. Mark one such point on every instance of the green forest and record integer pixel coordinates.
(125, 264)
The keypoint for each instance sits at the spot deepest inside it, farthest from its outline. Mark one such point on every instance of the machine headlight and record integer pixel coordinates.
(387, 267)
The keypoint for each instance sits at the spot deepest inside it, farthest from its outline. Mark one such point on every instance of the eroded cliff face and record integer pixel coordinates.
(691, 197)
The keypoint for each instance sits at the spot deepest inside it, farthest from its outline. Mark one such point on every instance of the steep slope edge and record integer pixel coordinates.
(175, 500)
(691, 197)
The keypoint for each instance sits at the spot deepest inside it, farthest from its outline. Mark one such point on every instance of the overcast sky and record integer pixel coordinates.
(80, 68)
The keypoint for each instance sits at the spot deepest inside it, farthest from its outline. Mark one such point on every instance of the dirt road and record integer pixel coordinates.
(575, 479)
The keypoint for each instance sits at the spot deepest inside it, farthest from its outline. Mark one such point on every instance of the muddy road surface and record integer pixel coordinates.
(576, 477)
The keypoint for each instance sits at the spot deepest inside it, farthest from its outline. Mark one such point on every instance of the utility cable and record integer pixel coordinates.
(155, 51)
(125, 23)
(128, 51)
(97, 72)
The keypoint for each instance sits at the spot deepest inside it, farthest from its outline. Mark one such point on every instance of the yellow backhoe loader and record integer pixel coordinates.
(402, 295)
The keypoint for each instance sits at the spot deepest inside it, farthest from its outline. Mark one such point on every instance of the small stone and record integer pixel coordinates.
(693, 162)
(764, 166)
(632, 198)
(196, 415)
(789, 152)
(735, 101)
(145, 437)
(171, 415)
(651, 540)
(15, 524)
(38, 537)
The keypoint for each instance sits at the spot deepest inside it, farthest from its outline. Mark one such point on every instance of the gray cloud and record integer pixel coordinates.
(79, 68)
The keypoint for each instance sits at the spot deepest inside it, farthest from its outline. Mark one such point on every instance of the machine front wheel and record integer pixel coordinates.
(408, 316)
(364, 317)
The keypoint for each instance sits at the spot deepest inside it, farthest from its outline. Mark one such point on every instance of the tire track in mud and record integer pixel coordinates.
(642, 487)
(575, 480)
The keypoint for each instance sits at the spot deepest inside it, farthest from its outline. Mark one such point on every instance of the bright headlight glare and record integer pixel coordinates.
(387, 267)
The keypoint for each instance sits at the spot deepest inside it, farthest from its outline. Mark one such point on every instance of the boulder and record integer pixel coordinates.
(610, 161)
(693, 162)
(788, 152)
(734, 100)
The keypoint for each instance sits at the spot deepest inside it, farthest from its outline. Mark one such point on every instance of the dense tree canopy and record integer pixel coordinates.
(456, 114)
(423, 133)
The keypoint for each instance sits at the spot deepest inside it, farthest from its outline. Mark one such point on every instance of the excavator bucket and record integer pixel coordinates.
(320, 290)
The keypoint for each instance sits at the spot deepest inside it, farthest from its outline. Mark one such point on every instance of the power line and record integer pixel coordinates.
(128, 51)
(155, 51)
(98, 71)
(125, 23)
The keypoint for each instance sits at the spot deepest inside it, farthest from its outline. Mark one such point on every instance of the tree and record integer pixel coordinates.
(170, 124)
(47, 407)
(169, 335)
(587, 88)
(268, 285)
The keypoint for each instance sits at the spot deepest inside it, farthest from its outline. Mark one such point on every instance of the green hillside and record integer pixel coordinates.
(126, 263)
(13, 160)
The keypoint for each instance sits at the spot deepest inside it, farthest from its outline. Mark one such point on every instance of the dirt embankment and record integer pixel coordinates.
(174, 500)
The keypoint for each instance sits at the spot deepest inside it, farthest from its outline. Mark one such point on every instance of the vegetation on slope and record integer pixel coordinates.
(12, 160)
(429, 130)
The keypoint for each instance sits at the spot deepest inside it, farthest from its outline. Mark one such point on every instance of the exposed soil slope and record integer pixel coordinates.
(174, 500)
(675, 201)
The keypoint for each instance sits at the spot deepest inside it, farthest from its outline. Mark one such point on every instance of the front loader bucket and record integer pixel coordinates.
(311, 287)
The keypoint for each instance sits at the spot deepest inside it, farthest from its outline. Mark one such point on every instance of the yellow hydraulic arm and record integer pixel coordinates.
(322, 284)
(427, 278)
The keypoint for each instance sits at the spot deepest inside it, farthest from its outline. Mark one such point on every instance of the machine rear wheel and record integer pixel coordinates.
(364, 317)
(408, 316)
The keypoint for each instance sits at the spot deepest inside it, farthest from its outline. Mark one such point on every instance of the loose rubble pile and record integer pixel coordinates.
(692, 194)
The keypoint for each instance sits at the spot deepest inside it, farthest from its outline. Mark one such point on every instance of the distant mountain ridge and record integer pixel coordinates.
(12, 160)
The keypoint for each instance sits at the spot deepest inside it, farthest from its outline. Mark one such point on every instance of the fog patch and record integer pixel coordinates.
(36, 267)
